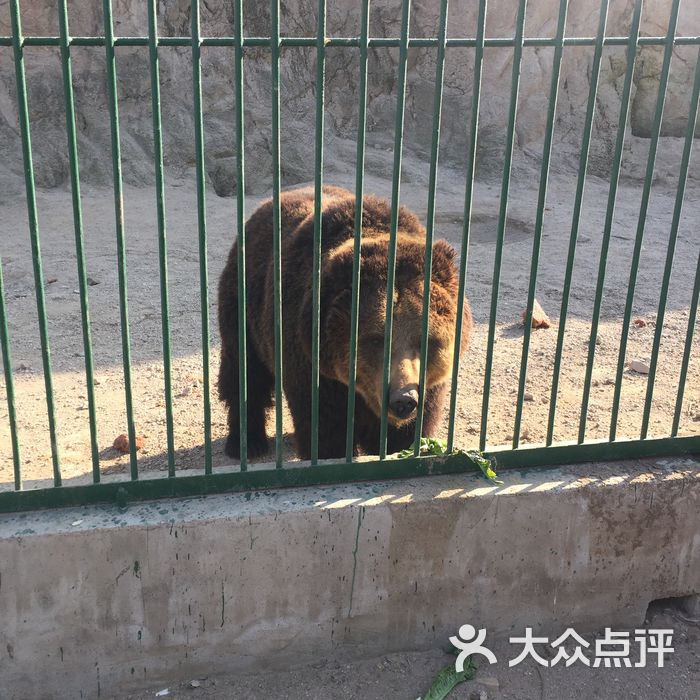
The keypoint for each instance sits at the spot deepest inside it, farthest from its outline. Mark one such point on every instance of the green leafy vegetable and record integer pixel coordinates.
(447, 679)
(434, 446)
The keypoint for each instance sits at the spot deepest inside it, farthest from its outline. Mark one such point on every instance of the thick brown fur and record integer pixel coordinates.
(297, 223)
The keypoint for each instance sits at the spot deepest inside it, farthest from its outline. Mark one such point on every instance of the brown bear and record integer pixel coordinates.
(338, 228)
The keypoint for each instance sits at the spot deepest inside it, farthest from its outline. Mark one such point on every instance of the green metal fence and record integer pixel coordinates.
(280, 474)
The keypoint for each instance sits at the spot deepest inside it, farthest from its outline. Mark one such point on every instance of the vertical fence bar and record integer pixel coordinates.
(468, 196)
(612, 195)
(240, 220)
(162, 232)
(502, 216)
(539, 218)
(318, 225)
(25, 131)
(394, 223)
(670, 252)
(119, 223)
(576, 218)
(357, 248)
(67, 70)
(639, 238)
(9, 384)
(432, 186)
(692, 317)
(276, 224)
(202, 224)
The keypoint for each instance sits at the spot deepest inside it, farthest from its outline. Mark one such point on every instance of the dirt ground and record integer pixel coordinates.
(60, 277)
(407, 676)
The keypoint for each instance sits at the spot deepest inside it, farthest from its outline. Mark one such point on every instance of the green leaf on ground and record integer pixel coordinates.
(447, 679)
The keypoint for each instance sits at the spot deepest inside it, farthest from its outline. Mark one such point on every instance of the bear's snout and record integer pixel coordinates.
(403, 402)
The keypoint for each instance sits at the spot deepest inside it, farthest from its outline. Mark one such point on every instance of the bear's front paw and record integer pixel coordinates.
(233, 447)
(257, 446)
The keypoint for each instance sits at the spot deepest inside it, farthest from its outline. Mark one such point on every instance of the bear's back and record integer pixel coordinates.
(339, 219)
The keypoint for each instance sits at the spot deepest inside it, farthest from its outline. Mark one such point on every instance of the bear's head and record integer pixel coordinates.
(336, 304)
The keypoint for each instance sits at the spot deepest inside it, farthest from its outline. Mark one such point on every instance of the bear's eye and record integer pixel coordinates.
(435, 345)
(433, 342)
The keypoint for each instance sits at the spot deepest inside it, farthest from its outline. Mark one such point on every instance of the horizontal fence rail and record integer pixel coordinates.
(349, 42)
(413, 462)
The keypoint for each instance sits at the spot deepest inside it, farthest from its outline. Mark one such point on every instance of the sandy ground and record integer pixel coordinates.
(60, 275)
(407, 676)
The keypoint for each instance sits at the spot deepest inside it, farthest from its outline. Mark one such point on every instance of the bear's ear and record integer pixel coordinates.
(444, 269)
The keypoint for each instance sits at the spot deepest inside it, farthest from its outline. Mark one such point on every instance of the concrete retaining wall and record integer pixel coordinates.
(95, 600)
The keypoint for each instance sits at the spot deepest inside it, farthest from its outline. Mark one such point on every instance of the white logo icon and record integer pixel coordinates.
(470, 642)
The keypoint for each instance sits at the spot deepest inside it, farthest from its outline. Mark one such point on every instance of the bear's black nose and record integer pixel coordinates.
(403, 402)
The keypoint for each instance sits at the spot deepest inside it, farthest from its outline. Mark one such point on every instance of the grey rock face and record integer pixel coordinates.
(298, 92)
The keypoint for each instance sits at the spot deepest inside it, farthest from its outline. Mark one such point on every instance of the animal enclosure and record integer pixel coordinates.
(596, 219)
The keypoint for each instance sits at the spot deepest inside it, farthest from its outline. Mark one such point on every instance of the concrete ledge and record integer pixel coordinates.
(94, 600)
